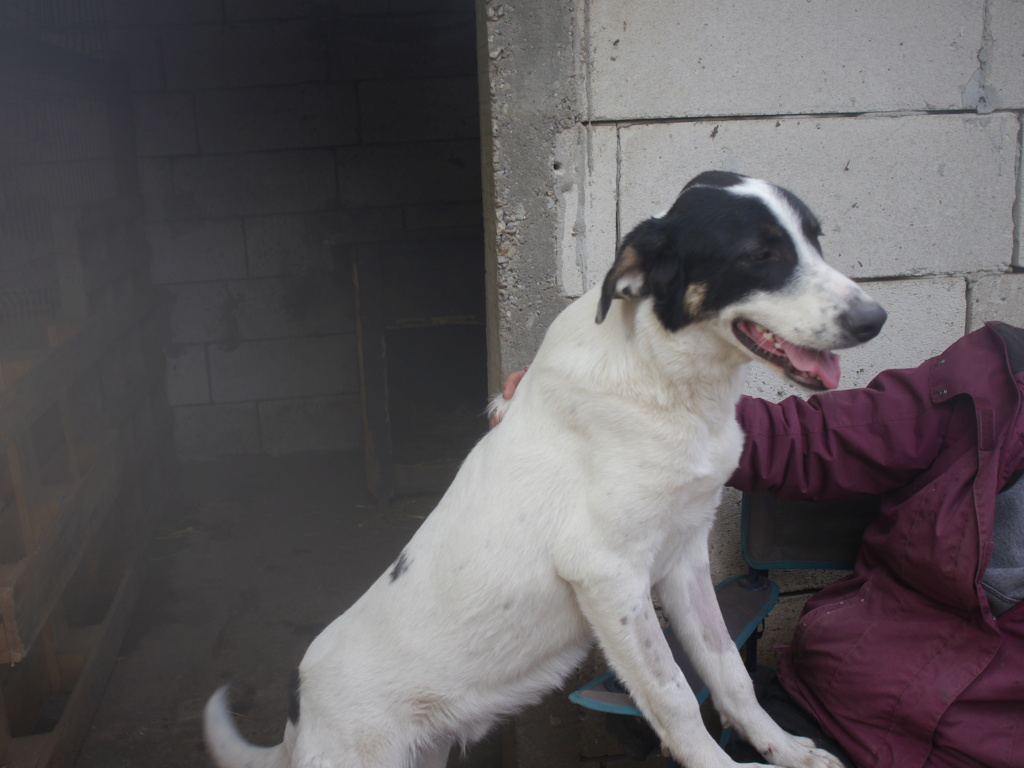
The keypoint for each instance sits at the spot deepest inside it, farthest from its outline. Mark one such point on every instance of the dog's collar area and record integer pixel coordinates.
(816, 369)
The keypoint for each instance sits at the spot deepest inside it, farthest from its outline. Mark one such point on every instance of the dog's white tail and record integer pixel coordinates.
(228, 747)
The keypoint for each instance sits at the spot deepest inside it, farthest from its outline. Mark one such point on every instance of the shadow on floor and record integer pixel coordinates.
(253, 558)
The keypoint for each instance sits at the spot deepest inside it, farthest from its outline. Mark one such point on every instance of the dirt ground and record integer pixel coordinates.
(253, 558)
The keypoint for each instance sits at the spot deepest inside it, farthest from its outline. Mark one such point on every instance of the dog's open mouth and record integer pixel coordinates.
(812, 368)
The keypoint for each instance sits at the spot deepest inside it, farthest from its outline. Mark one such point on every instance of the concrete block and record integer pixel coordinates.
(910, 195)
(257, 183)
(401, 174)
(160, 11)
(925, 317)
(997, 297)
(724, 541)
(243, 10)
(311, 424)
(188, 381)
(39, 132)
(462, 215)
(305, 244)
(201, 313)
(385, 46)
(195, 252)
(588, 246)
(421, 6)
(139, 47)
(279, 117)
(421, 109)
(165, 123)
(283, 368)
(1004, 55)
(284, 307)
(200, 56)
(203, 432)
(61, 183)
(663, 59)
(154, 182)
(288, 245)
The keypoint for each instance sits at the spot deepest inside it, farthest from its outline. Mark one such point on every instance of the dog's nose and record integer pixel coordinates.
(864, 319)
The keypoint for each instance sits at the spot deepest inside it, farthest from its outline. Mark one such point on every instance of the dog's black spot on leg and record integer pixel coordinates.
(293, 697)
(401, 566)
(624, 620)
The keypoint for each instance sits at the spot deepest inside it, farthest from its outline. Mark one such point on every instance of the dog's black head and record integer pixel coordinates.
(747, 251)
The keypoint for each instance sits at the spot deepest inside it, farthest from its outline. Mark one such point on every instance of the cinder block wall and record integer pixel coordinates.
(274, 136)
(899, 123)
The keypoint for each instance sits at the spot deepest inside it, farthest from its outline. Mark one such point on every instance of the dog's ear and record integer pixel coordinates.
(624, 280)
(628, 277)
(721, 179)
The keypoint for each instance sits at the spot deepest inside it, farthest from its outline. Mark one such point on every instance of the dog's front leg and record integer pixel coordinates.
(622, 616)
(688, 597)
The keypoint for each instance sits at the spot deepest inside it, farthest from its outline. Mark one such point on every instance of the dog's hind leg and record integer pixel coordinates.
(688, 597)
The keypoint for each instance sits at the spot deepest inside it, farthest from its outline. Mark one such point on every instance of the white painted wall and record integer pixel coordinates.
(898, 123)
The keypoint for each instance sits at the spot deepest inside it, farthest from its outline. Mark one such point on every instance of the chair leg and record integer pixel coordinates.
(750, 655)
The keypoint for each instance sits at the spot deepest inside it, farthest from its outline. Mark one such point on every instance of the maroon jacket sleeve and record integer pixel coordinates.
(859, 441)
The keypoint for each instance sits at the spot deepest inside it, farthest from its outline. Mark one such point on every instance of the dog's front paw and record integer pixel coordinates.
(801, 752)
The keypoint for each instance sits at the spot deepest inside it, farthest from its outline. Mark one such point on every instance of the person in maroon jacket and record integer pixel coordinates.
(915, 660)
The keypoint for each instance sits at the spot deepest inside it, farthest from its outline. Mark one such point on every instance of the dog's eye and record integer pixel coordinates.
(762, 255)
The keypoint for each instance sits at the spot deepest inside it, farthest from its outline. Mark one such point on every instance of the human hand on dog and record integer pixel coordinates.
(507, 390)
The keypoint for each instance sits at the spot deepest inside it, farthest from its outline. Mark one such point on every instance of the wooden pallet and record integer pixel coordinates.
(85, 449)
(81, 479)
(78, 669)
(71, 515)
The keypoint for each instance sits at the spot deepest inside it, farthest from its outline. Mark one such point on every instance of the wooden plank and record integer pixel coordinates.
(70, 733)
(30, 532)
(74, 304)
(29, 590)
(4, 645)
(12, 542)
(26, 689)
(26, 399)
(373, 373)
(13, 369)
(99, 647)
(28, 751)
(5, 731)
(76, 652)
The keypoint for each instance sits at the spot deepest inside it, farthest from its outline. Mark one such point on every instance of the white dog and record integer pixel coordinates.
(599, 485)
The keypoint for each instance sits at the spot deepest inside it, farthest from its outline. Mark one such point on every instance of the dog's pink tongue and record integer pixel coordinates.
(821, 363)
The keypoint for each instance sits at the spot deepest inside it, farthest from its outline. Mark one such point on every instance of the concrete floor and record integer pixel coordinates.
(253, 558)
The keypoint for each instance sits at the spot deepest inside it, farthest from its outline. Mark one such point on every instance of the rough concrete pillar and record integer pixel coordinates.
(532, 95)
